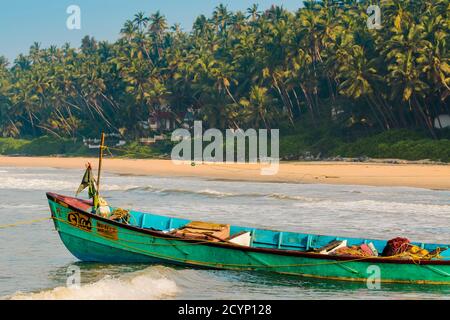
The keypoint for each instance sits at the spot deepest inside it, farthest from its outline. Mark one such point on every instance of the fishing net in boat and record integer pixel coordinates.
(353, 251)
(401, 248)
(398, 248)
(395, 246)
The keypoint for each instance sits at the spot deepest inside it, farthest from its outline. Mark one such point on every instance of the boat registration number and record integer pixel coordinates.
(107, 231)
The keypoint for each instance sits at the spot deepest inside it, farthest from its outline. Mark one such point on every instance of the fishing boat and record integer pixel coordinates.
(127, 236)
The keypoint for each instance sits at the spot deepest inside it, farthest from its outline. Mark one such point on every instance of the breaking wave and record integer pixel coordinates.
(149, 284)
(20, 183)
(222, 194)
(52, 184)
(281, 196)
(207, 192)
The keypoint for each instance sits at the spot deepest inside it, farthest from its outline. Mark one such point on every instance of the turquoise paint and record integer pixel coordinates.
(135, 246)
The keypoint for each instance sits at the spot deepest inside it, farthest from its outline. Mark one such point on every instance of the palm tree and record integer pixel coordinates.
(200, 25)
(128, 30)
(158, 27)
(253, 12)
(258, 107)
(35, 52)
(22, 63)
(140, 21)
(221, 17)
(158, 24)
(358, 78)
(406, 51)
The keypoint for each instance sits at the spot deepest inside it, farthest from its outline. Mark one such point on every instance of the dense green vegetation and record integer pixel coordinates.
(39, 147)
(319, 74)
(51, 146)
(394, 144)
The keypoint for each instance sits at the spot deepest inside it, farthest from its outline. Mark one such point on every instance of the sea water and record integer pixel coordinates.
(34, 263)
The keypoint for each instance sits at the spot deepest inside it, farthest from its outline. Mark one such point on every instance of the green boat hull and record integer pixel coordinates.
(92, 238)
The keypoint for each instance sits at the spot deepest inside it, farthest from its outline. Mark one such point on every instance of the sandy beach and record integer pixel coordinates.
(373, 174)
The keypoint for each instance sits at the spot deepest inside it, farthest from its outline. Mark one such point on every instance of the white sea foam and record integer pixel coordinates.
(53, 184)
(35, 184)
(281, 196)
(149, 284)
(222, 194)
(210, 192)
(28, 183)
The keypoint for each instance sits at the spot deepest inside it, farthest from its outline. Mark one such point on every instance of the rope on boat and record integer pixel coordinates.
(120, 214)
(25, 222)
(218, 265)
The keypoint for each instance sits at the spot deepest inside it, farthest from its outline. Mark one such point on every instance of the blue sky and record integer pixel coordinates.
(23, 22)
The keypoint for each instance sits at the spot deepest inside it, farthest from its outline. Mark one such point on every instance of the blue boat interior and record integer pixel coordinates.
(262, 238)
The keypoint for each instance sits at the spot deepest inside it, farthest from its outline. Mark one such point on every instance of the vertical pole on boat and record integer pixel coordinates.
(100, 159)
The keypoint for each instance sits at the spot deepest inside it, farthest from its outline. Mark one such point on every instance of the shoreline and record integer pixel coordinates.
(428, 176)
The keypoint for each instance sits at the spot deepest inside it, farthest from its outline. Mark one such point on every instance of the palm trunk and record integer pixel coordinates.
(425, 117)
(291, 106)
(275, 85)
(380, 110)
(308, 102)
(297, 100)
(380, 123)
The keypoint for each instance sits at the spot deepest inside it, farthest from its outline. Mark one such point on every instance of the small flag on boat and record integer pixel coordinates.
(88, 182)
